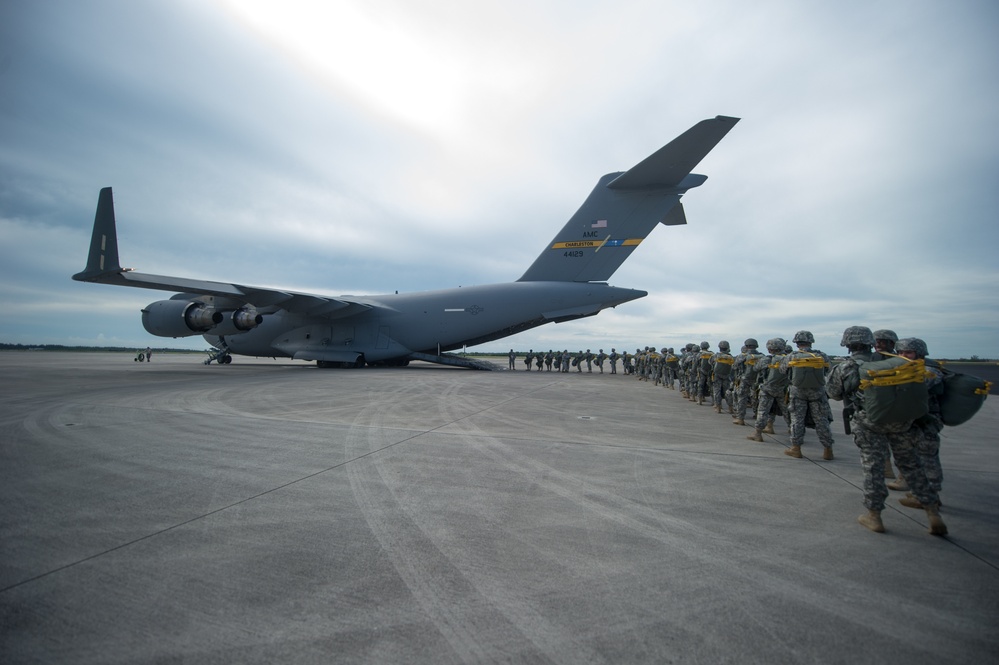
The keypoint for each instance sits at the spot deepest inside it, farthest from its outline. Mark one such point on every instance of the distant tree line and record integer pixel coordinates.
(93, 349)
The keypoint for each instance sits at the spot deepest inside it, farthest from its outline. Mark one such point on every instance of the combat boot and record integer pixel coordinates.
(937, 526)
(793, 451)
(717, 408)
(898, 485)
(827, 453)
(872, 520)
(738, 421)
(757, 435)
(769, 429)
(910, 501)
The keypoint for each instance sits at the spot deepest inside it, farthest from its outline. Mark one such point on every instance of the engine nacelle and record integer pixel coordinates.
(238, 321)
(179, 318)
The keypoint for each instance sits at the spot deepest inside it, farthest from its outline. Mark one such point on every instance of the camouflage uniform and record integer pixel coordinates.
(721, 376)
(930, 425)
(703, 363)
(772, 389)
(748, 374)
(807, 400)
(874, 440)
(613, 361)
(671, 366)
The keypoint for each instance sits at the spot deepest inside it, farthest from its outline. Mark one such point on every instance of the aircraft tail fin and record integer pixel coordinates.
(624, 208)
(103, 258)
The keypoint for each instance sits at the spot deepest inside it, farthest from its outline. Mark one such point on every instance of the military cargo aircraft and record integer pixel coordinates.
(567, 281)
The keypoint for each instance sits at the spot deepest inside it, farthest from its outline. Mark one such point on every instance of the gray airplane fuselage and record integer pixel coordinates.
(427, 322)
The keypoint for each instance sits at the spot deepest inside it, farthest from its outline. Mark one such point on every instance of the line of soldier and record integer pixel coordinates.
(797, 385)
(561, 361)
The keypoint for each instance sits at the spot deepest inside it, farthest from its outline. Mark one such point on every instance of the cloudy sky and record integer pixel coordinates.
(364, 147)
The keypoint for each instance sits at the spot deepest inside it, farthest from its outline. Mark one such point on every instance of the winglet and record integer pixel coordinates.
(103, 257)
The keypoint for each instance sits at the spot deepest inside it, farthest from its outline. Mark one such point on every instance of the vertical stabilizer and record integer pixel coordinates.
(103, 257)
(624, 208)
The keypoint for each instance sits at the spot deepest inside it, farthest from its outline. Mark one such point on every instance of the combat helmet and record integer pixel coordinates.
(804, 337)
(724, 346)
(886, 334)
(776, 345)
(912, 344)
(857, 335)
(752, 343)
(705, 346)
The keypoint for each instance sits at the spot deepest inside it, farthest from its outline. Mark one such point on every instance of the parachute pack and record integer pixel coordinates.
(808, 371)
(723, 365)
(963, 396)
(894, 390)
(775, 378)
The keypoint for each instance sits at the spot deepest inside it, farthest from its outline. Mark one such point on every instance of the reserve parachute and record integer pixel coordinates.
(963, 396)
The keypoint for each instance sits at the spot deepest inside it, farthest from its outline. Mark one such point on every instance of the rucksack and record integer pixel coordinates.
(894, 390)
(962, 397)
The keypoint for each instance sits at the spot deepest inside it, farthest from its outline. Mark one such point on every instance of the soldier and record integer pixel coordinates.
(513, 360)
(528, 359)
(884, 347)
(703, 372)
(557, 361)
(930, 425)
(601, 357)
(577, 361)
(565, 361)
(589, 361)
(626, 361)
(721, 376)
(539, 360)
(807, 369)
(772, 388)
(671, 367)
(689, 366)
(874, 440)
(613, 361)
(884, 342)
(748, 373)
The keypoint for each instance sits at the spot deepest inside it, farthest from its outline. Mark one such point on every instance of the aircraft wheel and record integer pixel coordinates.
(227, 360)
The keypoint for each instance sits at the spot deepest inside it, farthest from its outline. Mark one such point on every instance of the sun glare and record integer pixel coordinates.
(386, 65)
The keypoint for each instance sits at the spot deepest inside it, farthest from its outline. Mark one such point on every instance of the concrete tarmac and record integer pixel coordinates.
(271, 512)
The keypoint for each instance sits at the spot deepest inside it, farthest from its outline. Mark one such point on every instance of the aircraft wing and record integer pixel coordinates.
(103, 267)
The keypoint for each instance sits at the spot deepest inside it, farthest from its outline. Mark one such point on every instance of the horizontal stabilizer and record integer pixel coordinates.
(669, 165)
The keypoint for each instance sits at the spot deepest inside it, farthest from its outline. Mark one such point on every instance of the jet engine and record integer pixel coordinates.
(238, 321)
(179, 318)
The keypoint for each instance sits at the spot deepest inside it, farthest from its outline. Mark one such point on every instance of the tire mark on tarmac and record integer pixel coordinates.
(475, 625)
